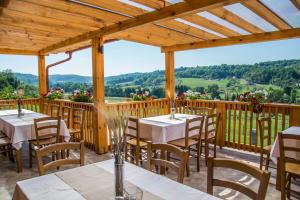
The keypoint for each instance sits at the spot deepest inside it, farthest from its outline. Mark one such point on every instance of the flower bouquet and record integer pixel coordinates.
(55, 93)
(142, 96)
(81, 96)
(256, 99)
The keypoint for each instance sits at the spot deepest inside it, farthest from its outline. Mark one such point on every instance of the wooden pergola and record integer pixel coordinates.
(43, 27)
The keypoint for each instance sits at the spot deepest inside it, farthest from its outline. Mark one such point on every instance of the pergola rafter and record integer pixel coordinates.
(31, 27)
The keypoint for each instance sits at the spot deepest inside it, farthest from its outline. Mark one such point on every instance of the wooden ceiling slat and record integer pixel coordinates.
(30, 31)
(195, 19)
(245, 39)
(263, 11)
(29, 24)
(17, 51)
(43, 11)
(106, 18)
(296, 3)
(46, 21)
(13, 34)
(135, 11)
(169, 12)
(236, 20)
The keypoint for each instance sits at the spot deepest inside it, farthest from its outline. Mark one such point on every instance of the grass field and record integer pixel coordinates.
(200, 82)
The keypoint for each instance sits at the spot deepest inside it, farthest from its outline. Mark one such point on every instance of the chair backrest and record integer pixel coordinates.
(287, 150)
(66, 111)
(47, 124)
(54, 110)
(78, 117)
(211, 124)
(264, 125)
(7, 106)
(261, 175)
(162, 162)
(59, 147)
(191, 126)
(133, 129)
(202, 110)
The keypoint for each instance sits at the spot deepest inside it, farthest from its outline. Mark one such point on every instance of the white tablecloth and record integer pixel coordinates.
(275, 152)
(162, 129)
(46, 187)
(51, 187)
(22, 129)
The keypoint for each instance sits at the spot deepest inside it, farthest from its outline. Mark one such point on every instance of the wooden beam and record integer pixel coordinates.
(170, 12)
(18, 52)
(236, 20)
(267, 14)
(98, 85)
(296, 3)
(246, 39)
(42, 75)
(195, 19)
(170, 75)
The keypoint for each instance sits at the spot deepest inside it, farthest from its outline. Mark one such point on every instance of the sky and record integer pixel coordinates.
(126, 57)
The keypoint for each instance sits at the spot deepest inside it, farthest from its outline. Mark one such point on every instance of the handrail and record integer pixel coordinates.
(237, 118)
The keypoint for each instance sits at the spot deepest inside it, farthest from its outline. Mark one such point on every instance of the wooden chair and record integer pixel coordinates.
(6, 147)
(261, 175)
(289, 167)
(134, 143)
(7, 106)
(76, 130)
(59, 147)
(41, 126)
(264, 124)
(192, 125)
(54, 110)
(66, 111)
(211, 127)
(162, 162)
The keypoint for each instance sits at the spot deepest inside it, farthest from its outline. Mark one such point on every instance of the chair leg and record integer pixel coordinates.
(206, 148)
(288, 194)
(261, 160)
(283, 186)
(188, 167)
(215, 147)
(198, 157)
(30, 155)
(268, 161)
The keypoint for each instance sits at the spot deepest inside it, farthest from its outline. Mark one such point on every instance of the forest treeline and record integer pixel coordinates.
(284, 75)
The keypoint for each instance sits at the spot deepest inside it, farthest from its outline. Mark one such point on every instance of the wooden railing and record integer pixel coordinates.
(236, 122)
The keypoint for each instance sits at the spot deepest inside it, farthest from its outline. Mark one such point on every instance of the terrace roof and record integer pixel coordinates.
(51, 26)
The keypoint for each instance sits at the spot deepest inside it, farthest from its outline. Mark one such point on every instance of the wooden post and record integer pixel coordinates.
(295, 116)
(99, 105)
(221, 108)
(42, 75)
(170, 75)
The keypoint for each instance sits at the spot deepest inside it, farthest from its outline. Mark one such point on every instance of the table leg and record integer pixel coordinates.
(278, 176)
(19, 160)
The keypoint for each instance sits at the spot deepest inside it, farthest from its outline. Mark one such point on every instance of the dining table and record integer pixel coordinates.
(163, 128)
(275, 151)
(96, 181)
(20, 129)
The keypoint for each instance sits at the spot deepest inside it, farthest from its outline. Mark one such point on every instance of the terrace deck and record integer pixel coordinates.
(9, 176)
